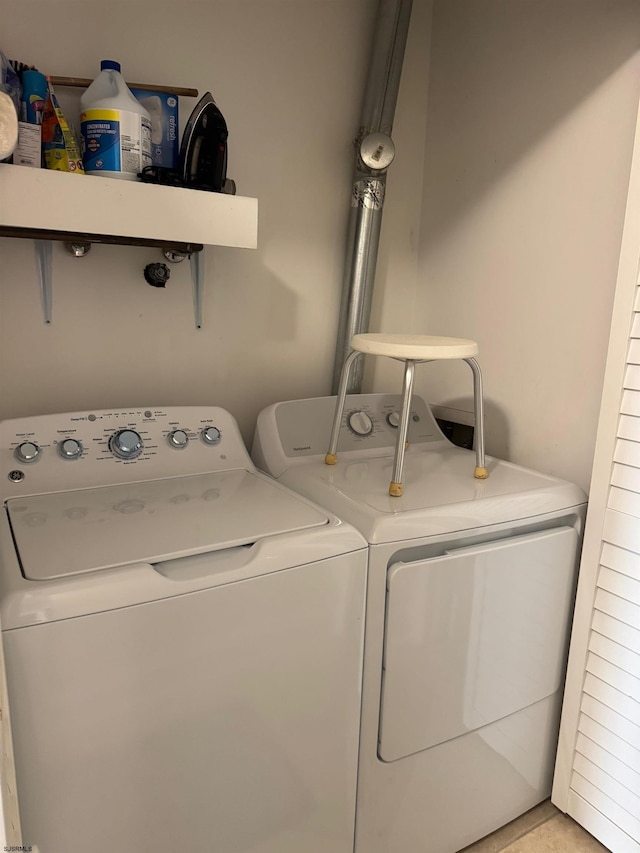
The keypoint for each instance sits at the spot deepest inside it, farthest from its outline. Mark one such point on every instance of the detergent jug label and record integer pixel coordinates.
(101, 140)
(115, 141)
(135, 138)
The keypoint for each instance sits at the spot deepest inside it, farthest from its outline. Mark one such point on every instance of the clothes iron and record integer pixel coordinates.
(203, 151)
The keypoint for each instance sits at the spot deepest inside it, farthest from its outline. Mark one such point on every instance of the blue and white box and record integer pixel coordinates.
(163, 109)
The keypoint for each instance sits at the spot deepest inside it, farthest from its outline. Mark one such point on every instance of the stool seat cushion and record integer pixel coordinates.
(415, 347)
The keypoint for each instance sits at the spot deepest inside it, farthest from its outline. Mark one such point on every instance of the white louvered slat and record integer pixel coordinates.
(605, 804)
(635, 326)
(617, 607)
(620, 560)
(625, 500)
(616, 654)
(629, 427)
(622, 530)
(615, 676)
(625, 706)
(620, 585)
(600, 825)
(610, 742)
(632, 377)
(631, 399)
(619, 632)
(633, 354)
(636, 305)
(605, 716)
(598, 777)
(627, 776)
(625, 476)
(627, 452)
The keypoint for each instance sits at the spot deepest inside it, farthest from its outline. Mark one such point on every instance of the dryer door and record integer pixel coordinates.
(474, 636)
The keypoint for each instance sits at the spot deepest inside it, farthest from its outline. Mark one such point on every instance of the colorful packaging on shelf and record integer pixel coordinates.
(34, 96)
(59, 146)
(163, 111)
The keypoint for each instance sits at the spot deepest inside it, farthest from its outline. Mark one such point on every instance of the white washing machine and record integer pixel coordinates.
(470, 591)
(183, 640)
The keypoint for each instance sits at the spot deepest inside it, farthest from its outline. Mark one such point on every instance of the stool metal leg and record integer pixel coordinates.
(331, 456)
(395, 487)
(480, 472)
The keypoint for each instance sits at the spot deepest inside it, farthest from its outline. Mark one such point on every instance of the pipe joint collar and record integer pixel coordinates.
(377, 151)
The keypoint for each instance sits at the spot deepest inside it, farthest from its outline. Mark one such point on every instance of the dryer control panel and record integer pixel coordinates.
(80, 450)
(370, 421)
(298, 430)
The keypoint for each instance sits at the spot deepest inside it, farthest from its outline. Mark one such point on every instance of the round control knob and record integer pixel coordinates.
(27, 452)
(178, 438)
(211, 435)
(393, 419)
(126, 444)
(360, 423)
(70, 448)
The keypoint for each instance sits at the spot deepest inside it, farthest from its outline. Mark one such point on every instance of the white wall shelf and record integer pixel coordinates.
(123, 211)
(46, 205)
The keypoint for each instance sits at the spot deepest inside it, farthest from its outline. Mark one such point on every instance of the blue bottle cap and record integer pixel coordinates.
(109, 63)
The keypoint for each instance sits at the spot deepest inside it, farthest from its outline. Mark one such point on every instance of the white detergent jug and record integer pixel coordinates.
(116, 128)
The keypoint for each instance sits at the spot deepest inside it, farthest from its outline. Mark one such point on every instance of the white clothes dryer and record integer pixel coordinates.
(470, 594)
(183, 640)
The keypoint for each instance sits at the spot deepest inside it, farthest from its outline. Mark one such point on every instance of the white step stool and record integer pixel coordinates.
(412, 349)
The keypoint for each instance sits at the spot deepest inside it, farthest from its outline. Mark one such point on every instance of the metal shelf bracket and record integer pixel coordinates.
(197, 277)
(44, 250)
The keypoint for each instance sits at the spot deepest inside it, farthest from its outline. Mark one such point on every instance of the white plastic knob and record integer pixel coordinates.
(360, 423)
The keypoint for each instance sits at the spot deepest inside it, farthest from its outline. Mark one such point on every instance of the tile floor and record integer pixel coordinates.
(544, 829)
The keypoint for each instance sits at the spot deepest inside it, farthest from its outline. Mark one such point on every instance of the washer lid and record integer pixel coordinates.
(69, 533)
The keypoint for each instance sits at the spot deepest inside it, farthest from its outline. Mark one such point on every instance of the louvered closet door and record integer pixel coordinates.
(606, 766)
(598, 767)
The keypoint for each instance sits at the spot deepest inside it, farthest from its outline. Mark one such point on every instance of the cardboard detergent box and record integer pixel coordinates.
(163, 109)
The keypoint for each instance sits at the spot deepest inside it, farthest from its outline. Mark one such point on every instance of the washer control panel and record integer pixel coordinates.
(104, 447)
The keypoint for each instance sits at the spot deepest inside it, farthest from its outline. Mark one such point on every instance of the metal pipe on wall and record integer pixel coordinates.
(374, 154)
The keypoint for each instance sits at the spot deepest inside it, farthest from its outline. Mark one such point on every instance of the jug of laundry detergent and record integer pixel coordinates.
(115, 127)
